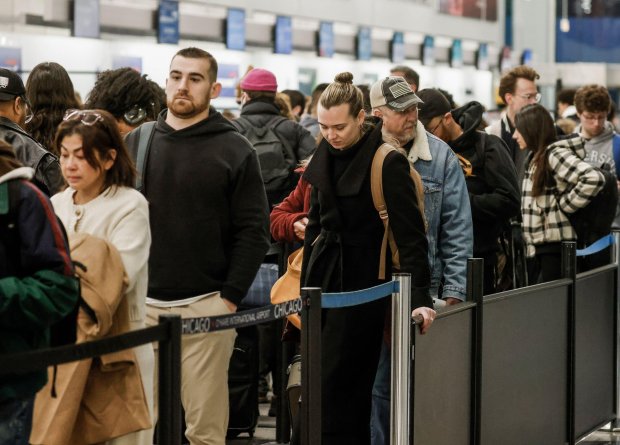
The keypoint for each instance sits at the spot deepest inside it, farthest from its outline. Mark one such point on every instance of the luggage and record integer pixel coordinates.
(293, 388)
(243, 383)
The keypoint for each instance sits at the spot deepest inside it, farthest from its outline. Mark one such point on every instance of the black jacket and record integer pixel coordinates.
(343, 238)
(47, 174)
(258, 113)
(208, 210)
(493, 187)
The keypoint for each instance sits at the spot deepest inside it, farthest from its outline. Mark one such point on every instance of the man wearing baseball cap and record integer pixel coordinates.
(490, 174)
(14, 110)
(446, 208)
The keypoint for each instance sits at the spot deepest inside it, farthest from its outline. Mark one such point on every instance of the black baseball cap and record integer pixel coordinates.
(435, 104)
(394, 92)
(11, 85)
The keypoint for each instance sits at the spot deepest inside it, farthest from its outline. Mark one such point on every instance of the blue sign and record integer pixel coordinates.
(11, 58)
(326, 39)
(86, 18)
(364, 44)
(235, 29)
(228, 76)
(283, 35)
(482, 57)
(168, 23)
(526, 57)
(398, 48)
(428, 51)
(456, 54)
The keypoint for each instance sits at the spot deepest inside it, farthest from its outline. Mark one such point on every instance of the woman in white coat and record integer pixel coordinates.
(101, 201)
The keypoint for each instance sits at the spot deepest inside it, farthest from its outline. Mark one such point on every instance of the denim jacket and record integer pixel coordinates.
(447, 211)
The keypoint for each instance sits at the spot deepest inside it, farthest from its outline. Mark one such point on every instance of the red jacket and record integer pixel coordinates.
(294, 207)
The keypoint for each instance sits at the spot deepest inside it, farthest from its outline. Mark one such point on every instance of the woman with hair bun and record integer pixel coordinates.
(342, 248)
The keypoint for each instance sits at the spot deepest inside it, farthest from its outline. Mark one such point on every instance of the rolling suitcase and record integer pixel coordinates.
(243, 383)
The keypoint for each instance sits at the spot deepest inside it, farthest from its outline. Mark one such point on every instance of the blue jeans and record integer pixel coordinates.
(16, 421)
(380, 414)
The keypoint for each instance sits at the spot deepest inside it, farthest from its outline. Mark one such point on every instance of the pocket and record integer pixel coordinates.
(222, 308)
(432, 198)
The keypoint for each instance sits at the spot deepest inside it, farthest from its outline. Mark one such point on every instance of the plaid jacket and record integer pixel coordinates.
(577, 182)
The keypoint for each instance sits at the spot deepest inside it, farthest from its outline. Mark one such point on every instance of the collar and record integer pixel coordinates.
(420, 148)
(18, 173)
(350, 183)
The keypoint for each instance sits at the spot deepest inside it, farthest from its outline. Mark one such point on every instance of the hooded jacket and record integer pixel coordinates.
(208, 209)
(492, 186)
(259, 113)
(47, 174)
(35, 273)
(599, 149)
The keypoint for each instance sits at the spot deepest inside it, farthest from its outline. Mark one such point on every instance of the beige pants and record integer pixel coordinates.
(204, 372)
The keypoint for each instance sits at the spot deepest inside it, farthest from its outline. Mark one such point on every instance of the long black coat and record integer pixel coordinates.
(341, 253)
(342, 215)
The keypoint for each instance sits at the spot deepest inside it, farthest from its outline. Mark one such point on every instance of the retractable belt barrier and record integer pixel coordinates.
(598, 245)
(201, 325)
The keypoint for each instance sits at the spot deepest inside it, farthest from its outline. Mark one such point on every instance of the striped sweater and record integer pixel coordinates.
(577, 182)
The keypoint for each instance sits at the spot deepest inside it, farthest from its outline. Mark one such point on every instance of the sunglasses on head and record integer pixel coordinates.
(87, 117)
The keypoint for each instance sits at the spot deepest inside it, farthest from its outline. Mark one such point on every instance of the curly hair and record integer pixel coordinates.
(508, 82)
(118, 91)
(50, 92)
(592, 98)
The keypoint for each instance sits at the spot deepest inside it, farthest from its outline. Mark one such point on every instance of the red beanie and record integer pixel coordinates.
(259, 80)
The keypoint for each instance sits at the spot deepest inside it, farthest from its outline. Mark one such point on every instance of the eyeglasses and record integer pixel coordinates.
(594, 117)
(536, 97)
(135, 115)
(87, 117)
(436, 126)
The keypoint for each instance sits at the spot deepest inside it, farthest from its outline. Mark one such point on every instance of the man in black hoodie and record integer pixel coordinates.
(210, 229)
(490, 174)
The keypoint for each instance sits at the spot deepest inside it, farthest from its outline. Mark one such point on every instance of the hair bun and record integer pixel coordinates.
(345, 77)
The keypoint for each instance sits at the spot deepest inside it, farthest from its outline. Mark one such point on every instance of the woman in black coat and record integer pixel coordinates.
(342, 249)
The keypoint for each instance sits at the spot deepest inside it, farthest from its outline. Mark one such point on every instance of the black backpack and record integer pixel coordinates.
(593, 221)
(275, 155)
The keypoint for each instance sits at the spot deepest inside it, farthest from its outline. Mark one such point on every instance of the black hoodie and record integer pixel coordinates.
(493, 187)
(208, 209)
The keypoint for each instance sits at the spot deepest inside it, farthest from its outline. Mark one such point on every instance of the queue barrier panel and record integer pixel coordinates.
(525, 378)
(595, 336)
(442, 374)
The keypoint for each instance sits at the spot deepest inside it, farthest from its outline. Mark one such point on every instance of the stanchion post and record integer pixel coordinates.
(401, 362)
(311, 366)
(475, 292)
(615, 424)
(169, 423)
(568, 266)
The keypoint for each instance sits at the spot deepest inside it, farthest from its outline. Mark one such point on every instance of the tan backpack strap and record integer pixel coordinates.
(376, 187)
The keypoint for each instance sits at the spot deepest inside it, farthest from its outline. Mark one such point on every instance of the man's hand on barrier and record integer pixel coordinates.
(232, 306)
(427, 314)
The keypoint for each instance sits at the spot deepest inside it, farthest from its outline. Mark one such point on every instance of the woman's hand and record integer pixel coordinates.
(299, 227)
(428, 315)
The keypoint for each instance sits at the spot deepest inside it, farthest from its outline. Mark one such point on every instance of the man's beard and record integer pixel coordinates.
(186, 109)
